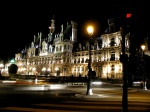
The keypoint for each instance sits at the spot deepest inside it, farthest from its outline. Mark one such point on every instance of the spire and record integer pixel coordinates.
(40, 36)
(52, 27)
(111, 23)
(62, 27)
(34, 38)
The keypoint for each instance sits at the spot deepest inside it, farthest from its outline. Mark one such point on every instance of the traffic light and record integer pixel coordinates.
(128, 15)
(129, 22)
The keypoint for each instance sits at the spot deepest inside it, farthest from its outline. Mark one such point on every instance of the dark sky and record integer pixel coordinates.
(21, 20)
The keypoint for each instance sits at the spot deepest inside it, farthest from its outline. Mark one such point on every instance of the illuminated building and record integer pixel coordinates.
(59, 54)
(147, 49)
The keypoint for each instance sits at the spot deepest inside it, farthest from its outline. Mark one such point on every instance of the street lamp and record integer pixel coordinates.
(143, 48)
(144, 77)
(90, 31)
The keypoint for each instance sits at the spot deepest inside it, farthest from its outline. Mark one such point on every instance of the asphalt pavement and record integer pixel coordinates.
(70, 99)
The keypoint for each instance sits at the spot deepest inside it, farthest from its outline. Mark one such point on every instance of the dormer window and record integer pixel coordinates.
(112, 42)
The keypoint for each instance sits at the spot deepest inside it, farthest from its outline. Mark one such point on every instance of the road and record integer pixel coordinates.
(73, 99)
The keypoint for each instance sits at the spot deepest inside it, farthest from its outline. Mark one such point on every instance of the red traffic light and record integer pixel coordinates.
(128, 15)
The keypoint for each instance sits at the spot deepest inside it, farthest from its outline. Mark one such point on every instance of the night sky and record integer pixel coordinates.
(20, 21)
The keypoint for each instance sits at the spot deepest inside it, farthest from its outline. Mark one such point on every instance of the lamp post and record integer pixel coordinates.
(144, 77)
(90, 31)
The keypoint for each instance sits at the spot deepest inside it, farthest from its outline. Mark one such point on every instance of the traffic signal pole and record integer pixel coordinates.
(124, 69)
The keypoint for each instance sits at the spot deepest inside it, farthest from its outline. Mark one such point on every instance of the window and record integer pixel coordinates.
(112, 68)
(87, 60)
(75, 61)
(82, 60)
(112, 43)
(56, 48)
(112, 75)
(79, 60)
(112, 56)
(82, 68)
(64, 46)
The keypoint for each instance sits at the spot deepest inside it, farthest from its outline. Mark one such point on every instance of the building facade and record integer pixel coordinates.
(60, 54)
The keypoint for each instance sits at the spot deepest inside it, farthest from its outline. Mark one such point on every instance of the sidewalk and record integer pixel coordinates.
(112, 96)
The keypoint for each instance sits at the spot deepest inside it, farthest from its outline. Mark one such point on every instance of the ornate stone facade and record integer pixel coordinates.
(59, 54)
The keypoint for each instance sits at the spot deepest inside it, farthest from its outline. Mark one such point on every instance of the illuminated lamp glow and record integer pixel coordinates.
(12, 61)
